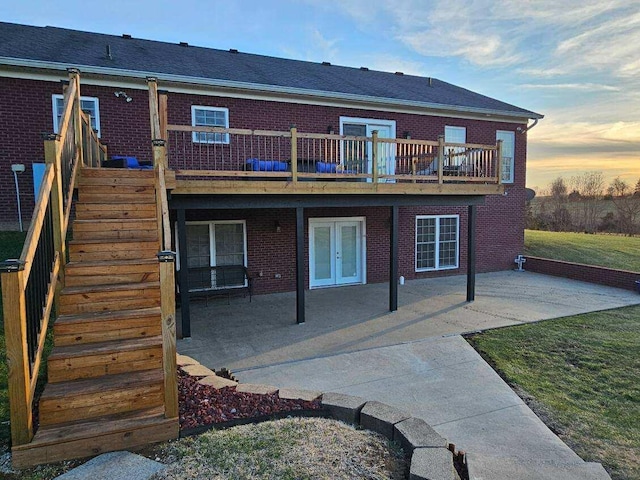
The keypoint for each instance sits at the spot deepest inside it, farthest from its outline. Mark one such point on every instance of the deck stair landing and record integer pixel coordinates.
(105, 372)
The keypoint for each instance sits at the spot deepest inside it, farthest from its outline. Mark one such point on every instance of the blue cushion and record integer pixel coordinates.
(258, 165)
(325, 167)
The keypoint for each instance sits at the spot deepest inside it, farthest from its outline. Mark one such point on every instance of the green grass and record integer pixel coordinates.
(611, 251)
(581, 374)
(10, 247)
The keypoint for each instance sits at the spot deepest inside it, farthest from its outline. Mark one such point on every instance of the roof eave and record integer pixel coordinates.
(229, 84)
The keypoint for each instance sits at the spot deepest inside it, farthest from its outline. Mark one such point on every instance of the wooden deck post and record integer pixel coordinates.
(74, 76)
(15, 331)
(499, 161)
(154, 115)
(294, 153)
(374, 155)
(163, 96)
(440, 158)
(168, 309)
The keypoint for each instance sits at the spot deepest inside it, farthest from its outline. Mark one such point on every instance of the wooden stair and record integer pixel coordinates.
(105, 386)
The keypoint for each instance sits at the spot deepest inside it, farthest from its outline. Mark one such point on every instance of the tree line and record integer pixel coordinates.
(585, 203)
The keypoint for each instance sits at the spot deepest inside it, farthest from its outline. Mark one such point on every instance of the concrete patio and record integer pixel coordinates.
(243, 335)
(413, 359)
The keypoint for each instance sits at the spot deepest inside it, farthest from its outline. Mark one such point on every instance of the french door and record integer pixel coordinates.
(385, 154)
(336, 251)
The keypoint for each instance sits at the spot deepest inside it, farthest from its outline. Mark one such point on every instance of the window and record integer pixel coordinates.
(214, 244)
(436, 242)
(89, 105)
(508, 154)
(210, 117)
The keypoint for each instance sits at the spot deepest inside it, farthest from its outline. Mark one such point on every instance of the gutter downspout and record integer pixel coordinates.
(529, 127)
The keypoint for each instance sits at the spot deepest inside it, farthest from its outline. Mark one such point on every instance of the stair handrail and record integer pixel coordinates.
(166, 256)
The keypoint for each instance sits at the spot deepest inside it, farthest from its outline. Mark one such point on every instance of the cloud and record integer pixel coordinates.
(588, 87)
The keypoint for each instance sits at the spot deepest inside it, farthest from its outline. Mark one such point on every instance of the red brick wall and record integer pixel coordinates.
(125, 128)
(585, 273)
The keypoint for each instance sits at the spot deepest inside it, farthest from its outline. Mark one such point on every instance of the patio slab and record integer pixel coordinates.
(245, 335)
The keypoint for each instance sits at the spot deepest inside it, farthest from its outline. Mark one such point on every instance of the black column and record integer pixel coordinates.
(184, 274)
(299, 265)
(471, 254)
(393, 260)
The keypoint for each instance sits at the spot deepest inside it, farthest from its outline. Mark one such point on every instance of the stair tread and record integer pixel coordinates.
(119, 381)
(110, 240)
(115, 220)
(100, 348)
(109, 288)
(110, 315)
(117, 262)
(66, 432)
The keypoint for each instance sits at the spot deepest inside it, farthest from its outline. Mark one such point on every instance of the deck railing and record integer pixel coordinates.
(30, 284)
(291, 155)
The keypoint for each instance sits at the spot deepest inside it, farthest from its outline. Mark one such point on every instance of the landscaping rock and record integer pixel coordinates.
(343, 407)
(115, 466)
(183, 360)
(381, 418)
(217, 382)
(256, 388)
(415, 432)
(298, 394)
(432, 464)
(198, 371)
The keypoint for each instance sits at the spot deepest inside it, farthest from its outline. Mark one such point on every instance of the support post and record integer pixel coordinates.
(300, 265)
(162, 113)
(471, 253)
(393, 260)
(168, 309)
(374, 156)
(294, 153)
(440, 158)
(74, 76)
(499, 161)
(154, 116)
(15, 331)
(185, 331)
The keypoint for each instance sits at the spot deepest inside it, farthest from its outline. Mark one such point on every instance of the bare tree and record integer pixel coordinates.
(560, 219)
(636, 193)
(627, 206)
(590, 186)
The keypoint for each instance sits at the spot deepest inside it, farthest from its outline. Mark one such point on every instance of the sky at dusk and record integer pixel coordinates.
(575, 62)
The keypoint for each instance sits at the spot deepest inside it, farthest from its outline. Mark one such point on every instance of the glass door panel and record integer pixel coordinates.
(348, 252)
(322, 254)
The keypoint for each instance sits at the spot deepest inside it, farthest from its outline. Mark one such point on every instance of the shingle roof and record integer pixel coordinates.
(86, 49)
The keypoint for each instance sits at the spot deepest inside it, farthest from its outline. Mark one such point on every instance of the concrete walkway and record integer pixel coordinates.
(413, 359)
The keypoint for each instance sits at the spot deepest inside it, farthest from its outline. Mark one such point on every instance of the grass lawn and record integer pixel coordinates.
(10, 247)
(611, 251)
(580, 374)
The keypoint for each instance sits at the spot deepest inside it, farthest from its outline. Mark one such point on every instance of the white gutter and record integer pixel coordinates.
(169, 77)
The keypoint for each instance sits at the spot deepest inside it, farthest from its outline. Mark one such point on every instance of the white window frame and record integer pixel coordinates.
(512, 160)
(195, 136)
(437, 243)
(212, 245)
(453, 130)
(95, 100)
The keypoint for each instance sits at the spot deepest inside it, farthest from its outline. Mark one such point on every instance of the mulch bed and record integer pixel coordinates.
(203, 407)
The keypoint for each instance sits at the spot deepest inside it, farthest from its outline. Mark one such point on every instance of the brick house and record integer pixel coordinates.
(419, 194)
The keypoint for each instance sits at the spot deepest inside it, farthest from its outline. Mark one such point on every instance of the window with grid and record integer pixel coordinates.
(214, 244)
(436, 242)
(210, 117)
(89, 105)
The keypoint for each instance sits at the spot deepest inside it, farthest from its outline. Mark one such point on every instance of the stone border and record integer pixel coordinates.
(431, 456)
